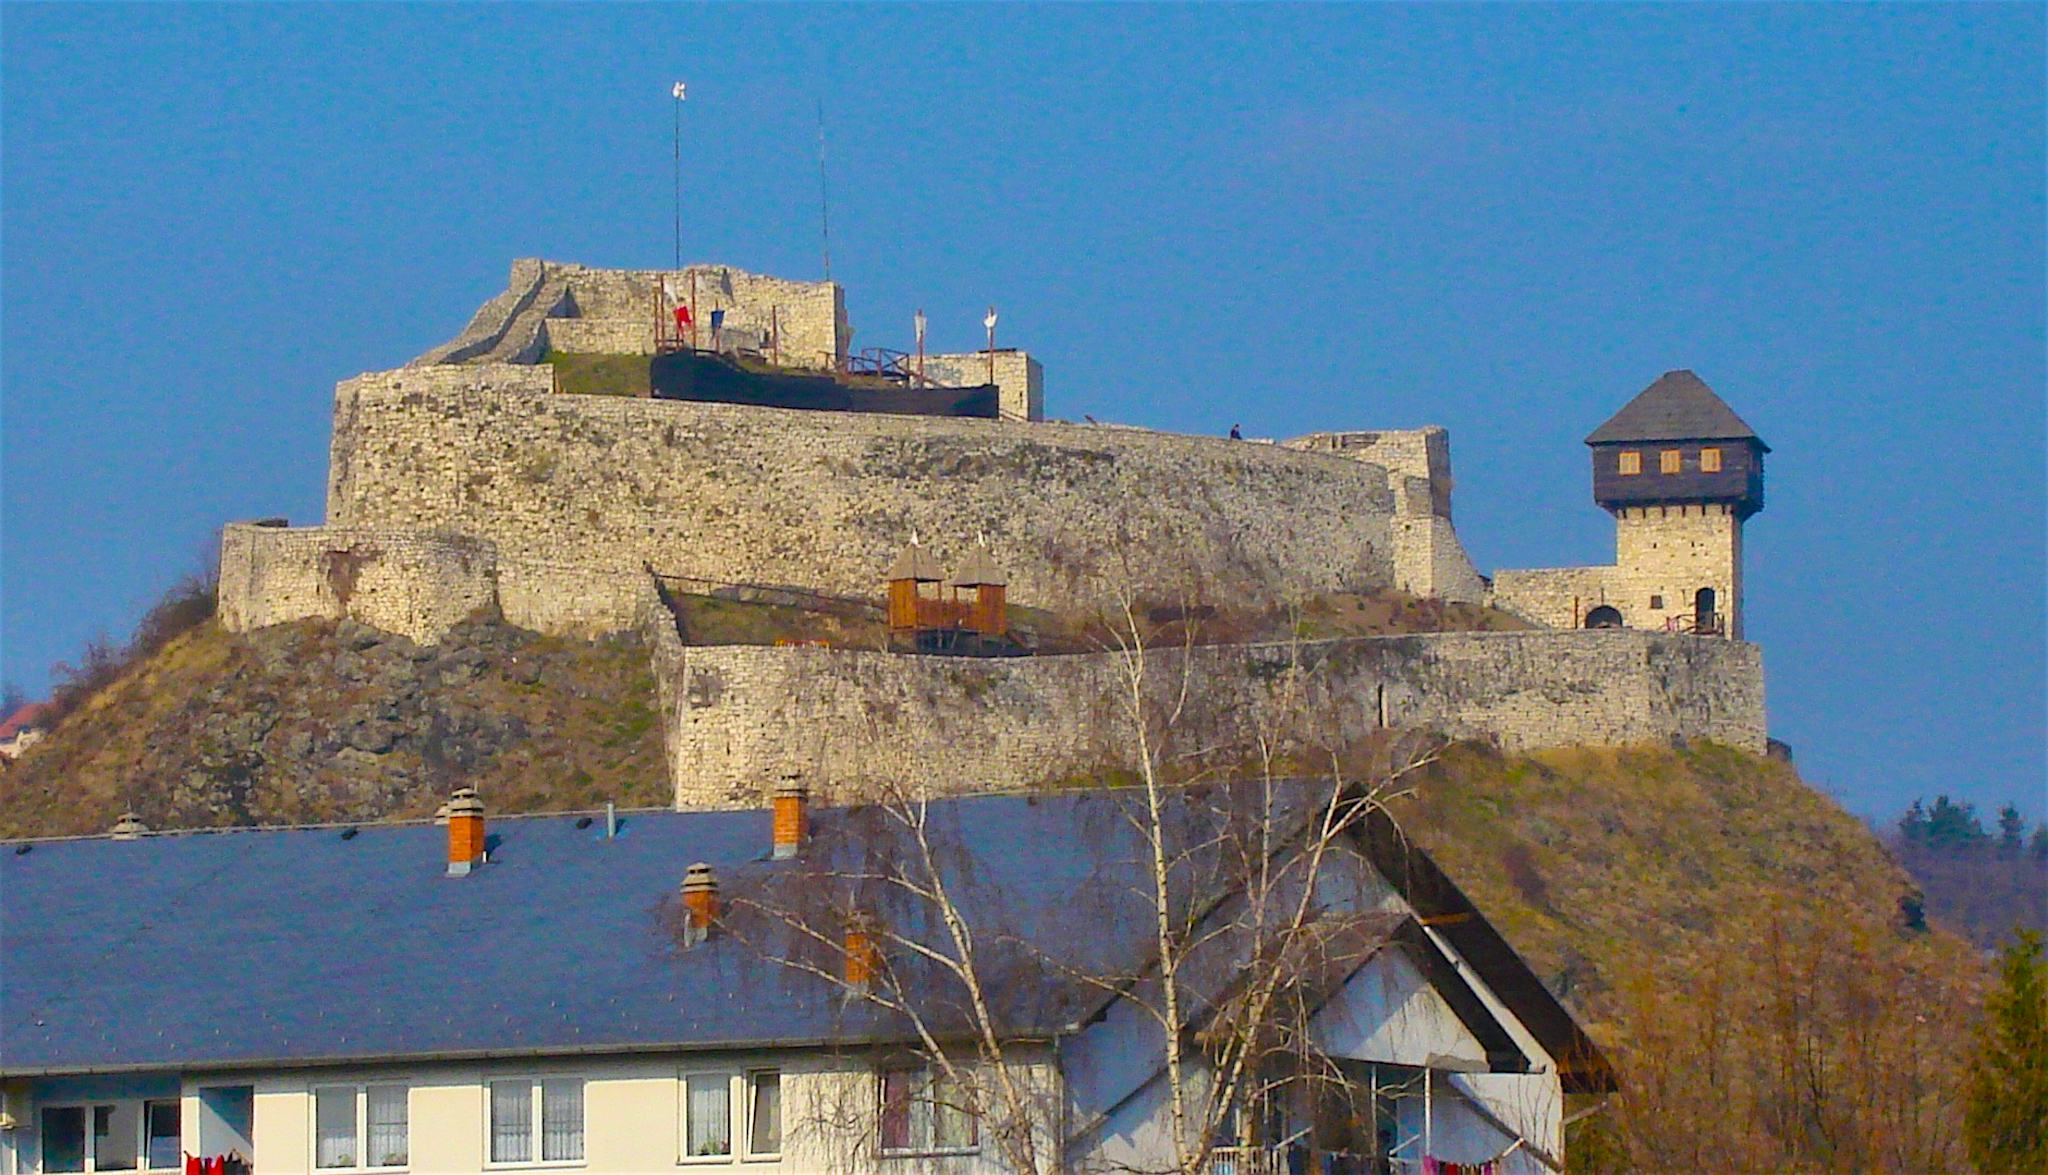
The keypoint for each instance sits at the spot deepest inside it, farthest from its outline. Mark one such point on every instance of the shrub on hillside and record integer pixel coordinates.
(187, 604)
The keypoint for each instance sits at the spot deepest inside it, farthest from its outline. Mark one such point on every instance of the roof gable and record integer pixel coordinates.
(1678, 407)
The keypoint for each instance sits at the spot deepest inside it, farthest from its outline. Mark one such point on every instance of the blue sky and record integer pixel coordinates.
(1504, 220)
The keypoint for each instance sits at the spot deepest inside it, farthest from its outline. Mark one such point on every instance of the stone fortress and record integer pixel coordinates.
(466, 482)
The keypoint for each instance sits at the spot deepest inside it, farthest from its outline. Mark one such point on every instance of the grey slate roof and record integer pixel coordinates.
(292, 947)
(299, 946)
(1678, 407)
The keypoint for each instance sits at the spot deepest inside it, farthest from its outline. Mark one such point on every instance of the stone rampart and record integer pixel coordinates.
(414, 583)
(825, 500)
(409, 582)
(1019, 379)
(1429, 558)
(742, 718)
(549, 303)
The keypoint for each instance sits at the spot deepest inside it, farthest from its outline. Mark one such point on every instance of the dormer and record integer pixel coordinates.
(1678, 444)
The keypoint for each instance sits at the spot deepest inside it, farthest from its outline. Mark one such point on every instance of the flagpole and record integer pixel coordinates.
(824, 196)
(678, 92)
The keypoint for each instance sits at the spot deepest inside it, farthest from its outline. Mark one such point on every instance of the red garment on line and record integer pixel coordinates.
(683, 319)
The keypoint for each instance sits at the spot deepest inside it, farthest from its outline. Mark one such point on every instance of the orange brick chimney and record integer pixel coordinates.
(792, 805)
(700, 902)
(465, 832)
(863, 952)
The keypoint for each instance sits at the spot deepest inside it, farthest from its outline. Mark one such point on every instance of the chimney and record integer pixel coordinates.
(792, 805)
(129, 826)
(465, 832)
(700, 903)
(863, 953)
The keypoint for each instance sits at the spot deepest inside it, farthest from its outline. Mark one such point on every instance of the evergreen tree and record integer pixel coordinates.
(2039, 845)
(1954, 826)
(2012, 831)
(1913, 825)
(2006, 1121)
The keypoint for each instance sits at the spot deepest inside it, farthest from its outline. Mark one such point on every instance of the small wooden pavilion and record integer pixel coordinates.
(966, 615)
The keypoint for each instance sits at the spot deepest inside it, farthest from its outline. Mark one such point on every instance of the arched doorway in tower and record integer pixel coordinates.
(1604, 616)
(1703, 617)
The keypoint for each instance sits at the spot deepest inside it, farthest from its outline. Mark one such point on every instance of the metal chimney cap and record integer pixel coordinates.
(699, 877)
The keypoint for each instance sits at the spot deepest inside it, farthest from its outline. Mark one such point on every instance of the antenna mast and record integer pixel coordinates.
(824, 195)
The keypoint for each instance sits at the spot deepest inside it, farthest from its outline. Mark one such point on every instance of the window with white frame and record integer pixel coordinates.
(727, 1114)
(110, 1136)
(536, 1120)
(925, 1111)
(707, 1116)
(764, 1113)
(361, 1127)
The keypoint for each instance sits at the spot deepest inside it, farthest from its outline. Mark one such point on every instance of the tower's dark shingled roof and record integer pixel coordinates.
(1678, 407)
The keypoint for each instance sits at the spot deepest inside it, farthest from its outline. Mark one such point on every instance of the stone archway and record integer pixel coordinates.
(1604, 616)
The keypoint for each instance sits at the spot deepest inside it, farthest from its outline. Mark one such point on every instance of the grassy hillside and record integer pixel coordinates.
(1750, 953)
(315, 721)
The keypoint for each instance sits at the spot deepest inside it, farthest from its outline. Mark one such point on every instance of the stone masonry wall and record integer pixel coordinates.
(1663, 555)
(745, 717)
(826, 500)
(413, 583)
(1430, 559)
(808, 319)
(1019, 379)
(400, 581)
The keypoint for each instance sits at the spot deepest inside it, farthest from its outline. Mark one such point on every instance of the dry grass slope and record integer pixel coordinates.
(1734, 937)
(315, 721)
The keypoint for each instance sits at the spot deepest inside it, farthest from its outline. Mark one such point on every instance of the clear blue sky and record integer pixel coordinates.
(1504, 220)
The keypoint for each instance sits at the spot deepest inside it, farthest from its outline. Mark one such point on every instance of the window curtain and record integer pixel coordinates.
(710, 1125)
(511, 1122)
(388, 1121)
(334, 1127)
(561, 1121)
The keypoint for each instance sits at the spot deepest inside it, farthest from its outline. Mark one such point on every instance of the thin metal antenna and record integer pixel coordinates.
(824, 195)
(678, 92)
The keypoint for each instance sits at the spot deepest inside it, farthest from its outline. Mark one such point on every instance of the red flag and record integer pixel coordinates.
(683, 320)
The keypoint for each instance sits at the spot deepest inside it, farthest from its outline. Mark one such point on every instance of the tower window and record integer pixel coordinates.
(1657, 603)
(1631, 463)
(1670, 461)
(1710, 460)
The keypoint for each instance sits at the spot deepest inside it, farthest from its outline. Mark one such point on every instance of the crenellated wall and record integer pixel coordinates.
(824, 500)
(741, 718)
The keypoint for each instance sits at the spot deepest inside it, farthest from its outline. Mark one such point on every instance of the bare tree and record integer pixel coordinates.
(1206, 920)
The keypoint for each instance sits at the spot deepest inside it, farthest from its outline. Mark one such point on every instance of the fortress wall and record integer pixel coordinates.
(1557, 596)
(746, 717)
(826, 500)
(1419, 458)
(599, 336)
(1019, 379)
(1664, 554)
(808, 317)
(405, 582)
(567, 599)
